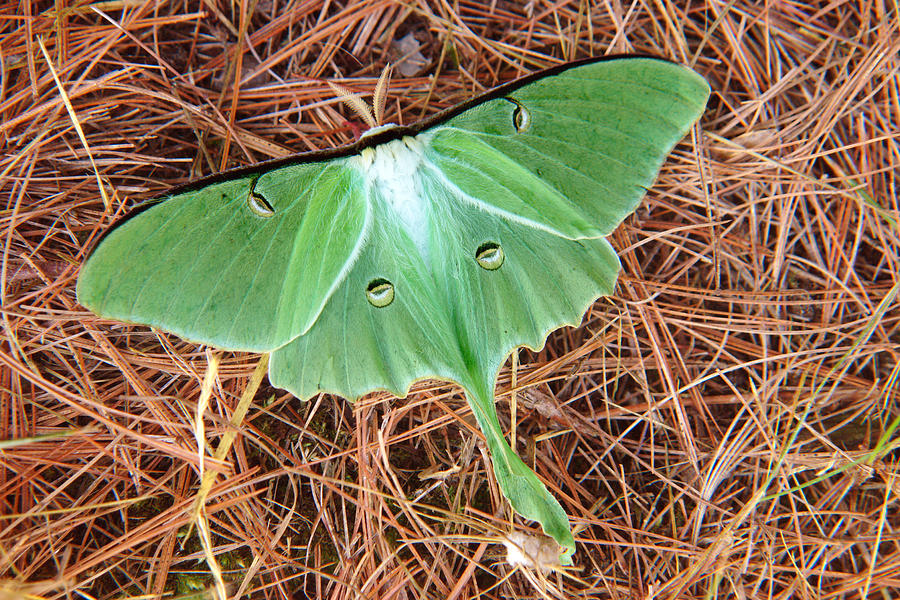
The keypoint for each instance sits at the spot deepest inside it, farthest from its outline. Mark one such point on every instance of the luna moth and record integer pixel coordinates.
(424, 251)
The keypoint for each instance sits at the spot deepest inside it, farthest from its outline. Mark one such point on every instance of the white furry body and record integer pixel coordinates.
(393, 172)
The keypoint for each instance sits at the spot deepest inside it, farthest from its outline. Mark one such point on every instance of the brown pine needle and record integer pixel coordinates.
(724, 425)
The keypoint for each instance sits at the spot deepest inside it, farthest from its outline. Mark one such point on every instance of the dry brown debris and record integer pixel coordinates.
(724, 426)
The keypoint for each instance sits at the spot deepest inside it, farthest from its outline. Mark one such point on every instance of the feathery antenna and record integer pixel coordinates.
(380, 96)
(372, 115)
(355, 102)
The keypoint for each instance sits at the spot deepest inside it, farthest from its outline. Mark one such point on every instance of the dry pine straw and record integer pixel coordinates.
(723, 424)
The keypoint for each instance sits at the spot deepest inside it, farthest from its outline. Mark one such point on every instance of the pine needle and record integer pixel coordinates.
(725, 424)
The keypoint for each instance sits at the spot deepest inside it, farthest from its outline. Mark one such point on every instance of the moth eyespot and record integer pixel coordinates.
(521, 119)
(380, 292)
(259, 205)
(489, 256)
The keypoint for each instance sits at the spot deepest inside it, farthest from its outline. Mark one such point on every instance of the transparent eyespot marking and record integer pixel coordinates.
(258, 204)
(489, 256)
(380, 292)
(521, 118)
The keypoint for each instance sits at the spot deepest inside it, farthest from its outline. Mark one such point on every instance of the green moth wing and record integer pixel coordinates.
(425, 251)
(449, 318)
(449, 314)
(243, 264)
(574, 154)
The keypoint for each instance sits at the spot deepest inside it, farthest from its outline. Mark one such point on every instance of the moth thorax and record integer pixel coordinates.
(394, 171)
